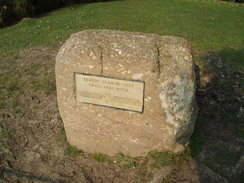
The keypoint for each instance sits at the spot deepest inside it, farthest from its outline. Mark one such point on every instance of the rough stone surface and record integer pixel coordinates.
(166, 66)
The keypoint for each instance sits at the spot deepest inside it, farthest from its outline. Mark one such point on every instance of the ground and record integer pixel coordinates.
(34, 148)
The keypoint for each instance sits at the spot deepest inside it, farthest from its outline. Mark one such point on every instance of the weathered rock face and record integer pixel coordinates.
(163, 63)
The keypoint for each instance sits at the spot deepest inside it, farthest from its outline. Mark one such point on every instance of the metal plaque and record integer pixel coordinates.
(110, 92)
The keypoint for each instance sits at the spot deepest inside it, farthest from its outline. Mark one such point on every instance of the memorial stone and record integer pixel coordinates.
(126, 92)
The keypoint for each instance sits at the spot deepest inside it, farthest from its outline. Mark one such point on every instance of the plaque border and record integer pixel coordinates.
(143, 92)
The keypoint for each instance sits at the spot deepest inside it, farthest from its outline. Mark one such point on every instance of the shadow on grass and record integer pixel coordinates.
(234, 58)
(217, 142)
(47, 12)
(72, 5)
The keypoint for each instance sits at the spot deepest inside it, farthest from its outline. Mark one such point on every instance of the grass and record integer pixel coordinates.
(40, 79)
(125, 161)
(224, 158)
(13, 84)
(72, 151)
(69, 150)
(101, 158)
(231, 118)
(236, 121)
(5, 133)
(154, 159)
(197, 141)
(221, 158)
(43, 84)
(208, 25)
(62, 135)
(10, 90)
(119, 159)
(160, 159)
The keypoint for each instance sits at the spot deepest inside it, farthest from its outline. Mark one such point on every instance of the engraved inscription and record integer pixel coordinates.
(109, 92)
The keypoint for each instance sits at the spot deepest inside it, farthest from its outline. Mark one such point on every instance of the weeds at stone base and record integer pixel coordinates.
(125, 161)
(72, 151)
(69, 150)
(154, 159)
(160, 159)
(62, 136)
(120, 159)
(101, 158)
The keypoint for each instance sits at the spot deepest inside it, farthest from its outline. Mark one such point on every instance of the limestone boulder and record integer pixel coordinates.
(163, 63)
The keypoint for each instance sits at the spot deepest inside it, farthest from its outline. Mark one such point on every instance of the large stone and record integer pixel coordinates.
(163, 63)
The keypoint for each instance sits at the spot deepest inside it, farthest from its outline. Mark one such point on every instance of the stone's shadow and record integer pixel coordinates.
(47, 12)
(233, 57)
(217, 142)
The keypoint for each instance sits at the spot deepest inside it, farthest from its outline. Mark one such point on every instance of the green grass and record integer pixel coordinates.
(160, 159)
(125, 161)
(119, 159)
(10, 90)
(101, 158)
(235, 120)
(43, 84)
(5, 133)
(72, 151)
(13, 84)
(39, 78)
(209, 25)
(232, 118)
(69, 150)
(224, 158)
(221, 158)
(197, 141)
(62, 135)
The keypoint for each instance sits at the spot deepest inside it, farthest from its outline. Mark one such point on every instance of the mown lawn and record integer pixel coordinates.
(210, 25)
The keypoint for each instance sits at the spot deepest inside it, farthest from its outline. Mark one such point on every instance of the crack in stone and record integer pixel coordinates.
(101, 60)
(158, 60)
(101, 55)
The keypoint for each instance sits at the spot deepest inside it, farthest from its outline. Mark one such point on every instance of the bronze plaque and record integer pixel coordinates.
(110, 92)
